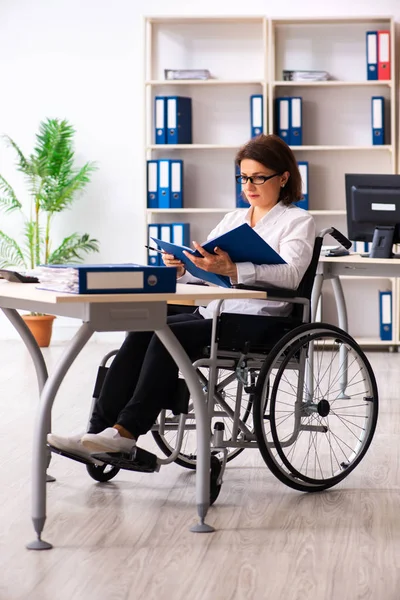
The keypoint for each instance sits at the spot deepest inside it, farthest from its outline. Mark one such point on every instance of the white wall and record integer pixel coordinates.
(83, 60)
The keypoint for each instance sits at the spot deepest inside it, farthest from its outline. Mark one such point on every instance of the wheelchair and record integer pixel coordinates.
(303, 393)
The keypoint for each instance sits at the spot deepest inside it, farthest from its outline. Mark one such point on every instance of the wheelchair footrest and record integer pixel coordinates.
(136, 460)
(81, 459)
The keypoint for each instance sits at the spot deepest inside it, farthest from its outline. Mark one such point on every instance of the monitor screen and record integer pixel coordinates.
(372, 201)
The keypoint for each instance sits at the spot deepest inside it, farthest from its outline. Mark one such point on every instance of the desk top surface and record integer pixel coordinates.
(29, 291)
(360, 260)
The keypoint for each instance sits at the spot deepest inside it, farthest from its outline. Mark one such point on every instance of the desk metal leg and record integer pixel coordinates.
(19, 324)
(343, 324)
(39, 460)
(37, 357)
(202, 426)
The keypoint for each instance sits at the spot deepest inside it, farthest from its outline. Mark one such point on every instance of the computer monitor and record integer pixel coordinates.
(373, 211)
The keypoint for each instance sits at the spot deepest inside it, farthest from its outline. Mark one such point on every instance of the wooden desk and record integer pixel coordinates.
(108, 312)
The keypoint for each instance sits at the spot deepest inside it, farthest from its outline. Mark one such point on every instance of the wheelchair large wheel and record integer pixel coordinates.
(227, 391)
(316, 407)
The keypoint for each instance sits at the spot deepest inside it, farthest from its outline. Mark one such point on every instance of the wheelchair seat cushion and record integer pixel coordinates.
(252, 333)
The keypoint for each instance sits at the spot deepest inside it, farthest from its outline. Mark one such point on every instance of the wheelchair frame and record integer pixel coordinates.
(296, 353)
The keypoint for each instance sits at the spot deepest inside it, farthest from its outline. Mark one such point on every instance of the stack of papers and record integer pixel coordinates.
(305, 75)
(60, 279)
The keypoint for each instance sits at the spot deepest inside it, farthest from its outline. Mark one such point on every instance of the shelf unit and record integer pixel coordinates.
(247, 56)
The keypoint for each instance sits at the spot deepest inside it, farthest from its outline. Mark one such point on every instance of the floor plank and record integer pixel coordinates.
(129, 539)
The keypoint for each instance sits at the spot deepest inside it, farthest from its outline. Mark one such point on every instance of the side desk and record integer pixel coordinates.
(108, 312)
(356, 266)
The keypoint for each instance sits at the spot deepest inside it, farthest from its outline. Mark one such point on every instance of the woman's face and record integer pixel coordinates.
(263, 195)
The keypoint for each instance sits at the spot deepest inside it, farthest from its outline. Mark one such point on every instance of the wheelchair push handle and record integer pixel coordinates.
(338, 236)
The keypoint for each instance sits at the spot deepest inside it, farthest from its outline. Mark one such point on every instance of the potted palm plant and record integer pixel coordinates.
(53, 183)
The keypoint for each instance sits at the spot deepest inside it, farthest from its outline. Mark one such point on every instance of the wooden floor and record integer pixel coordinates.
(129, 539)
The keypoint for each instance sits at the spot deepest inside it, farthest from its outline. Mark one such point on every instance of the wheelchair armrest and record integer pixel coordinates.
(271, 291)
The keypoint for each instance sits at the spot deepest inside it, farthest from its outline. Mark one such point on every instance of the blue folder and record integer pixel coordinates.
(242, 244)
(126, 278)
(303, 168)
(372, 55)
(256, 115)
(378, 120)
(385, 316)
(179, 120)
(241, 202)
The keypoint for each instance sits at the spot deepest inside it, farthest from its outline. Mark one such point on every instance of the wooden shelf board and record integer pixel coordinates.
(206, 82)
(331, 83)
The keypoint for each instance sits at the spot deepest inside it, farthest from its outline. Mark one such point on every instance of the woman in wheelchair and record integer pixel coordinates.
(142, 378)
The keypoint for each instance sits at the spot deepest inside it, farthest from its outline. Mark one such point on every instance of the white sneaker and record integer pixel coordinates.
(70, 444)
(108, 440)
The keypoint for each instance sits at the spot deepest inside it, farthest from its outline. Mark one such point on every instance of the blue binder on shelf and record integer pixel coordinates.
(164, 183)
(170, 183)
(303, 168)
(372, 55)
(296, 118)
(176, 179)
(256, 115)
(361, 247)
(160, 119)
(283, 118)
(378, 120)
(165, 233)
(179, 120)
(153, 257)
(242, 243)
(152, 184)
(385, 316)
(124, 278)
(180, 234)
(240, 201)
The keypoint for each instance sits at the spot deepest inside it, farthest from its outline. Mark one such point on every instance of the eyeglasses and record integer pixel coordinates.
(256, 179)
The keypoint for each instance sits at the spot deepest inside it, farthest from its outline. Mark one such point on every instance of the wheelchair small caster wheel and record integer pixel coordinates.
(215, 487)
(102, 473)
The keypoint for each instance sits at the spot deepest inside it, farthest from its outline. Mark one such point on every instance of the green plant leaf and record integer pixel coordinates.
(9, 201)
(72, 248)
(23, 164)
(11, 254)
(59, 195)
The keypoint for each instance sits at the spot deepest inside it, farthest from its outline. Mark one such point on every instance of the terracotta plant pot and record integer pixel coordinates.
(41, 327)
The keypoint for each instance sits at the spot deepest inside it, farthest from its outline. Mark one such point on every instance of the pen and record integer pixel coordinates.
(154, 249)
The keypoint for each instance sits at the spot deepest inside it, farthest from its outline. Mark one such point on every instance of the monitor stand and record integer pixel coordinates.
(382, 242)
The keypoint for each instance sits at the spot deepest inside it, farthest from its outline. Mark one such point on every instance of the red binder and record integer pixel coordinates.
(383, 54)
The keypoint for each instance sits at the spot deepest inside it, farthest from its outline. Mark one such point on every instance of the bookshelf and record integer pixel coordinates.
(246, 56)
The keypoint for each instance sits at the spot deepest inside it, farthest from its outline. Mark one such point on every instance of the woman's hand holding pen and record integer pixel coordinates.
(218, 263)
(169, 260)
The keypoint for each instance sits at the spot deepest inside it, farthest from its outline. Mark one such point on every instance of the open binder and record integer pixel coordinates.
(242, 243)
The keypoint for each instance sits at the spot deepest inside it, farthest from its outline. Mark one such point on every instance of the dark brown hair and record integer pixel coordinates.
(272, 152)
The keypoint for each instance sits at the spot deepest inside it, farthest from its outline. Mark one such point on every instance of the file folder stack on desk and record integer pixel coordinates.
(106, 279)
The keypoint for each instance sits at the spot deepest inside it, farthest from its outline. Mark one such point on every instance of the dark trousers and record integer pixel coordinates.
(142, 378)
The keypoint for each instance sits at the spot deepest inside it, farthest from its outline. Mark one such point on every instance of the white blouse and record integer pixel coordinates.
(291, 232)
